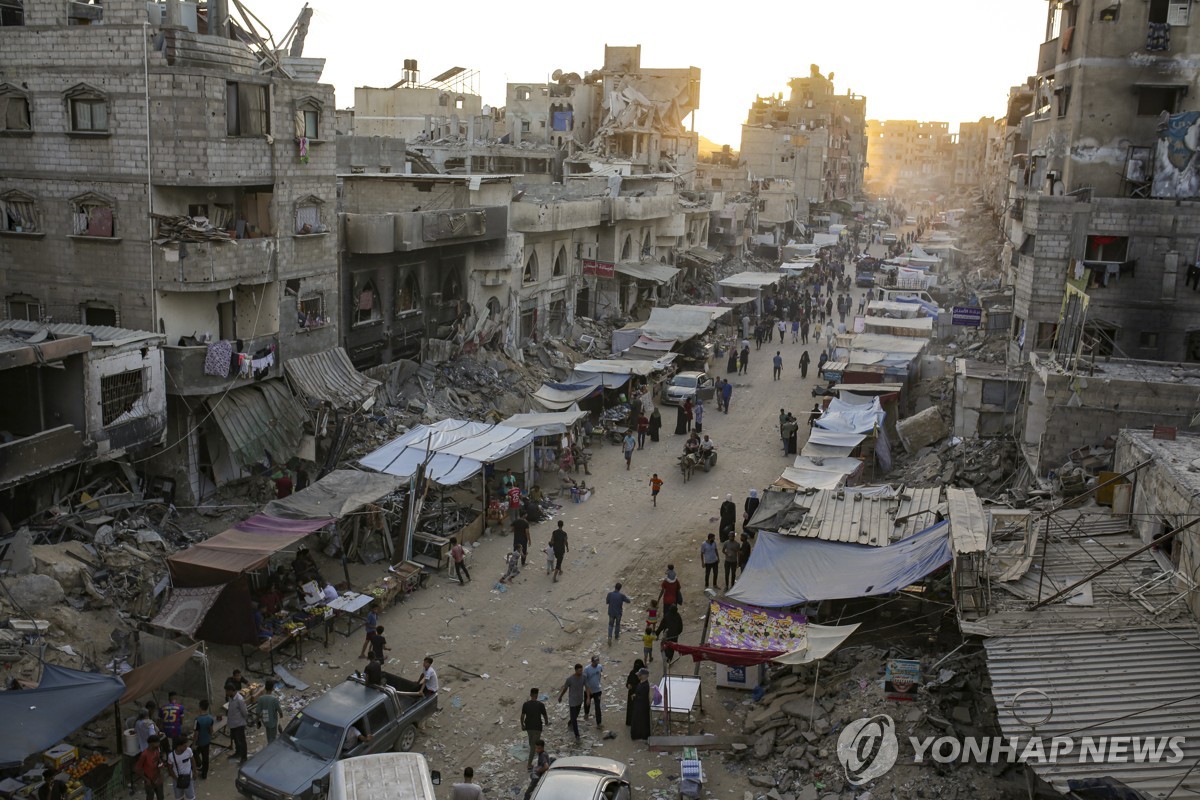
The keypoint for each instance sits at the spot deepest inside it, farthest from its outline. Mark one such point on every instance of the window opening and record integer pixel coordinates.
(119, 393)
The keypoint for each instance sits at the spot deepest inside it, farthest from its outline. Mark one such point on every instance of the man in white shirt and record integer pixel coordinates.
(468, 789)
(179, 763)
(329, 593)
(429, 678)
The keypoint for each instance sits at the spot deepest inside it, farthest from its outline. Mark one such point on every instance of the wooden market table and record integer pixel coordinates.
(346, 608)
(266, 650)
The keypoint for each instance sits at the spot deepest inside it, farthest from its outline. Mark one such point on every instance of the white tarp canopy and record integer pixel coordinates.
(457, 449)
(797, 265)
(884, 343)
(843, 417)
(788, 570)
(825, 239)
(750, 280)
(561, 395)
(920, 324)
(829, 443)
(646, 271)
(883, 308)
(819, 641)
(551, 424)
(616, 366)
(715, 312)
(676, 323)
(811, 478)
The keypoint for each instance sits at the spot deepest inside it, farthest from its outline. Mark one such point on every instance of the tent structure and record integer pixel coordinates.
(750, 280)
(64, 701)
(646, 271)
(787, 570)
(843, 417)
(246, 546)
(823, 443)
(746, 635)
(455, 450)
(336, 495)
(681, 323)
(553, 424)
(616, 366)
(148, 677)
(557, 396)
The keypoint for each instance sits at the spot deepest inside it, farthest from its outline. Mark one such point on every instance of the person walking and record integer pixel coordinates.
(269, 710)
(790, 427)
(776, 366)
(749, 507)
(558, 541)
(369, 626)
(655, 424)
(670, 592)
(542, 763)
(149, 767)
(639, 707)
(575, 687)
(795, 330)
(698, 413)
(729, 550)
(627, 446)
(669, 631)
(521, 537)
(170, 717)
(744, 364)
(744, 553)
(804, 331)
(616, 601)
(203, 726)
(459, 556)
(643, 428)
(656, 484)
(783, 415)
(710, 557)
(533, 720)
(728, 517)
(689, 414)
(814, 415)
(179, 762)
(782, 331)
(235, 709)
(726, 395)
(593, 674)
(804, 362)
(468, 789)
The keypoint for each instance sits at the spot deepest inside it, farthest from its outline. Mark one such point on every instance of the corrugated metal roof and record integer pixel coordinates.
(968, 521)
(260, 419)
(1136, 682)
(329, 377)
(101, 334)
(839, 516)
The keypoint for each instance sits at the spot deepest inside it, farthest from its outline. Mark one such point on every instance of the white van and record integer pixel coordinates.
(383, 776)
(895, 294)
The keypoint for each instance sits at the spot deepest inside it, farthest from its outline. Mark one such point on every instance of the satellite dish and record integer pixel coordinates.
(556, 75)
(1058, 189)
(38, 337)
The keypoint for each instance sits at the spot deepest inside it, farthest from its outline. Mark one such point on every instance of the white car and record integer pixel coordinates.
(687, 384)
(584, 778)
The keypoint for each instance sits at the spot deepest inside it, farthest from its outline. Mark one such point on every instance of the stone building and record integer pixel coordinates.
(909, 155)
(1107, 197)
(975, 141)
(171, 177)
(816, 139)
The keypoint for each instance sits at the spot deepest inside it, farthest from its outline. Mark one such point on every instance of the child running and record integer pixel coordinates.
(656, 484)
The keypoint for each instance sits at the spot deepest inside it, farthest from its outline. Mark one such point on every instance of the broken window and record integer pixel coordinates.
(627, 248)
(1107, 248)
(84, 12)
(1100, 339)
(1063, 96)
(531, 269)
(1045, 335)
(307, 120)
(1000, 393)
(459, 102)
(408, 294)
(14, 110)
(247, 109)
(1153, 100)
(522, 93)
(310, 311)
(93, 215)
(96, 313)
(524, 126)
(18, 213)
(308, 216)
(12, 13)
(1192, 346)
(119, 393)
(1148, 340)
(23, 306)
(560, 263)
(366, 303)
(88, 110)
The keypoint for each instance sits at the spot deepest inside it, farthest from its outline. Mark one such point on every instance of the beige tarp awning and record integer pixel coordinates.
(148, 677)
(329, 377)
(336, 495)
(646, 271)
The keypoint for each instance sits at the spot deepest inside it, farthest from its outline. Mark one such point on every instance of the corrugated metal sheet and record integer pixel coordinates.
(259, 420)
(837, 516)
(329, 377)
(101, 334)
(1132, 682)
(968, 521)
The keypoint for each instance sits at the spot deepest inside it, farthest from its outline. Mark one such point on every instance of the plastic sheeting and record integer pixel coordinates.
(64, 701)
(618, 366)
(810, 478)
(554, 424)
(244, 547)
(843, 417)
(677, 323)
(750, 280)
(646, 271)
(786, 570)
(336, 495)
(557, 396)
(455, 450)
(822, 443)
(148, 677)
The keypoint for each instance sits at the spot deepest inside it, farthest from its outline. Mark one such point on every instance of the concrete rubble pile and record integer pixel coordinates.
(796, 724)
(985, 465)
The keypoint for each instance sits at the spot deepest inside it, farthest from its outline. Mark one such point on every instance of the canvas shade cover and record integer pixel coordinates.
(337, 494)
(556, 396)
(148, 677)
(552, 424)
(454, 449)
(244, 547)
(788, 570)
(64, 701)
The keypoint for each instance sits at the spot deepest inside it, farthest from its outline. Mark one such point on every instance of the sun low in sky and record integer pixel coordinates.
(940, 60)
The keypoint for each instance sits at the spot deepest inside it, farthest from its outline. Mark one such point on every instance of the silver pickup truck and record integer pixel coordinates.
(297, 764)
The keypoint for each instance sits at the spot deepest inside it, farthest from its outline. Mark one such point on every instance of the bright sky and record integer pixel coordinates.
(944, 60)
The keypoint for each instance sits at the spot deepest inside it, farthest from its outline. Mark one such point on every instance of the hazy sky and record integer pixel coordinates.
(944, 60)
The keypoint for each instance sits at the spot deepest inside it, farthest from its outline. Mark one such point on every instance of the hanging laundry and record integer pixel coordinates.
(1158, 37)
(303, 150)
(262, 366)
(216, 359)
(244, 370)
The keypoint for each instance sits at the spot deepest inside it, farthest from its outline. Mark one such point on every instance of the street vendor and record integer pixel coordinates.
(304, 567)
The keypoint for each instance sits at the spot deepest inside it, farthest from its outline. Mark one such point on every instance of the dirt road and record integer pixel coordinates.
(511, 637)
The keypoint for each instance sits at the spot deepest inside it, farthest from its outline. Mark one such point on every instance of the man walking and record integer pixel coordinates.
(235, 710)
(592, 674)
(575, 687)
(710, 558)
(269, 711)
(744, 362)
(615, 600)
(729, 549)
(468, 789)
(776, 365)
(726, 395)
(558, 543)
(533, 720)
(521, 537)
(204, 729)
(459, 555)
(627, 445)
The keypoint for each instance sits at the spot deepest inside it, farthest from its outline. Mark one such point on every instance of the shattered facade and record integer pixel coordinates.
(910, 155)
(1113, 118)
(222, 230)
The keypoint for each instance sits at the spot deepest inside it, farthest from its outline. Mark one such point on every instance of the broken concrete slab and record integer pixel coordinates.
(765, 781)
(921, 429)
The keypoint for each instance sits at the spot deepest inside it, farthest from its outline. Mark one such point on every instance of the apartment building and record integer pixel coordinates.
(166, 171)
(909, 155)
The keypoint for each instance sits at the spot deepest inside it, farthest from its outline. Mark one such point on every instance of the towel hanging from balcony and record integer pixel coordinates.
(217, 358)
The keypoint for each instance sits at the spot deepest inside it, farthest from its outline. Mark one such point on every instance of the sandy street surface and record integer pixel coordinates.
(512, 638)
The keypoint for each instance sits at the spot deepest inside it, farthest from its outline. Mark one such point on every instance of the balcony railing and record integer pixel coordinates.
(214, 265)
(186, 375)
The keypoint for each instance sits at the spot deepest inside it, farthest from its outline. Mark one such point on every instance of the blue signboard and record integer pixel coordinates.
(969, 316)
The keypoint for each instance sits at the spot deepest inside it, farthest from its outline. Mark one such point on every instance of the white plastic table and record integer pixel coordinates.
(681, 693)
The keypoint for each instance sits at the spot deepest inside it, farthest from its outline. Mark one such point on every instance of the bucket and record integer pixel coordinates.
(130, 740)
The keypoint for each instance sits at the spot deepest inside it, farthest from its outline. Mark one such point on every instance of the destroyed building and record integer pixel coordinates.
(218, 237)
(815, 138)
(974, 142)
(907, 154)
(1107, 196)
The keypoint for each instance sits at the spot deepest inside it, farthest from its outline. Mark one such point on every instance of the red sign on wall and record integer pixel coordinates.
(601, 269)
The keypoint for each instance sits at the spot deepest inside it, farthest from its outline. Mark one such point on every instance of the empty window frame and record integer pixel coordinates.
(247, 109)
(12, 13)
(1153, 100)
(23, 306)
(14, 110)
(119, 393)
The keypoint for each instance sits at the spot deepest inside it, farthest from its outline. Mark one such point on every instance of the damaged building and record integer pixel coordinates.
(909, 154)
(219, 237)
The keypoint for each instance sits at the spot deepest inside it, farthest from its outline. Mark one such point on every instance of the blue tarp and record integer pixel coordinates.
(786, 570)
(65, 700)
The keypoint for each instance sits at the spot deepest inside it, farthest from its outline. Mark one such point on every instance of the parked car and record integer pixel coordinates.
(864, 278)
(687, 384)
(297, 764)
(890, 238)
(584, 778)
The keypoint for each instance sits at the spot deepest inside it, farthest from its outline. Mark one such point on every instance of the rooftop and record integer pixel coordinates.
(1181, 458)
(1130, 370)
